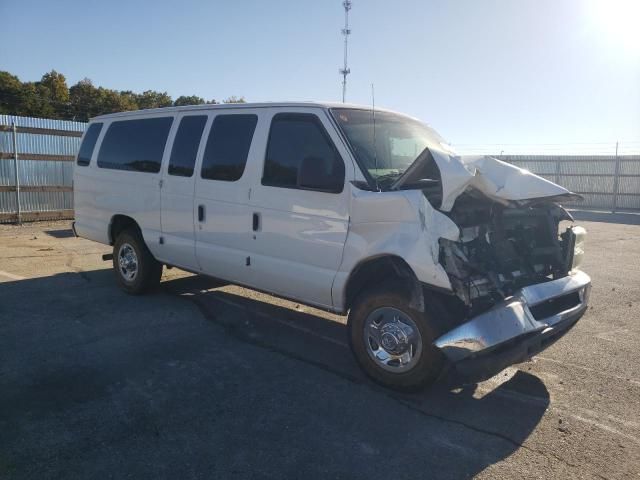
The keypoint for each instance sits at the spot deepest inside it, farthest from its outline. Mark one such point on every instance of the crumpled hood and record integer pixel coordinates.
(494, 178)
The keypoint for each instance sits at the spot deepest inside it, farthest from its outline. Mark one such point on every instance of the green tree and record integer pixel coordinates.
(56, 83)
(85, 100)
(53, 89)
(188, 100)
(152, 99)
(111, 101)
(130, 98)
(234, 99)
(10, 93)
(51, 98)
(35, 101)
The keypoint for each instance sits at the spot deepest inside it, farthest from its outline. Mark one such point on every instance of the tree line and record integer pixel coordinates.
(52, 98)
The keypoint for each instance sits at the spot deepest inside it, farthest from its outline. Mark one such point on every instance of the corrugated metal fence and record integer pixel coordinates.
(47, 148)
(46, 151)
(605, 182)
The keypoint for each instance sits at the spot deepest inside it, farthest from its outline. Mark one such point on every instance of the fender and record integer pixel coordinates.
(400, 224)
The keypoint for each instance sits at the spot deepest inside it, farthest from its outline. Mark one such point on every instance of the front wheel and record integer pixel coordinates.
(393, 342)
(137, 271)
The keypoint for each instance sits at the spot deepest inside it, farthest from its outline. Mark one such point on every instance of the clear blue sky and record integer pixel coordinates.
(479, 71)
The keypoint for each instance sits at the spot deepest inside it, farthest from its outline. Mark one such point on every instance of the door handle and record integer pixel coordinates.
(201, 213)
(256, 221)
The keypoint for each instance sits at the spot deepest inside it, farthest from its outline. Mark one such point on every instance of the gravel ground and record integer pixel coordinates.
(201, 379)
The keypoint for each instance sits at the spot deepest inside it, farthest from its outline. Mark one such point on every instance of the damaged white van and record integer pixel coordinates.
(439, 260)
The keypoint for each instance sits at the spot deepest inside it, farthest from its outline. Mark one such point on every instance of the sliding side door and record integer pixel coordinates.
(177, 192)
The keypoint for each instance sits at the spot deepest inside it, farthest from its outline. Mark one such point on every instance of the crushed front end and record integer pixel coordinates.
(515, 274)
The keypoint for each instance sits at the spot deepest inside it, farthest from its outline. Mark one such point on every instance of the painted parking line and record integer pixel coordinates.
(593, 371)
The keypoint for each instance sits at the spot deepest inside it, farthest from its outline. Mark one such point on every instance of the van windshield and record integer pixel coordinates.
(399, 140)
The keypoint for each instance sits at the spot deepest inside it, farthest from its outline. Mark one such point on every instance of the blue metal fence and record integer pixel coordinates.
(45, 152)
(607, 182)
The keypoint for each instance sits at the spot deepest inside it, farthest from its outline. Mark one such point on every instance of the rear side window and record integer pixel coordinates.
(88, 144)
(185, 145)
(297, 138)
(225, 155)
(135, 145)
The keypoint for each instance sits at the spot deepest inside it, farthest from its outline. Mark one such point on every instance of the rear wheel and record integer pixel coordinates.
(136, 270)
(393, 342)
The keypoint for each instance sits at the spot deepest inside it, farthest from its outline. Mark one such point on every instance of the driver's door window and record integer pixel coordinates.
(300, 154)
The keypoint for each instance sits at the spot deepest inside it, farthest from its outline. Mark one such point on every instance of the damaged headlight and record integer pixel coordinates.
(579, 235)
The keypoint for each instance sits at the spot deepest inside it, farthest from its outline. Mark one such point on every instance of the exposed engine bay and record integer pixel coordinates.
(504, 247)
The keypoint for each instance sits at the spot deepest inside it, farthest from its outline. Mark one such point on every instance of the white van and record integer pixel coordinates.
(439, 260)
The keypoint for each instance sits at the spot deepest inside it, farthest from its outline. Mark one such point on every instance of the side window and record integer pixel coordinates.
(135, 145)
(185, 145)
(225, 155)
(88, 144)
(300, 154)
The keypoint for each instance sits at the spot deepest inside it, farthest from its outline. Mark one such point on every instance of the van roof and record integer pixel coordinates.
(233, 106)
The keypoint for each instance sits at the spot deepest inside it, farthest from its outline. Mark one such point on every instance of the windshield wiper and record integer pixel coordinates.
(420, 184)
(384, 179)
(387, 176)
(411, 168)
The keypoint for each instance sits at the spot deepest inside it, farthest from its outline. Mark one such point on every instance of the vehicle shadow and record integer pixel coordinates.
(60, 233)
(505, 408)
(93, 380)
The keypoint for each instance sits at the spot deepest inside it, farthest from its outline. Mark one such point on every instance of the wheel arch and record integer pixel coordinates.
(120, 223)
(383, 268)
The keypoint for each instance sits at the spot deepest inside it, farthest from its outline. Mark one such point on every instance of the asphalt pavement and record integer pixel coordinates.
(203, 380)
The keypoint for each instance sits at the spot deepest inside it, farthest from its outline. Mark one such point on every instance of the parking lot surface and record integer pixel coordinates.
(204, 380)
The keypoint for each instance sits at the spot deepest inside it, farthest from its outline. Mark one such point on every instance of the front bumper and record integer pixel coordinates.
(518, 327)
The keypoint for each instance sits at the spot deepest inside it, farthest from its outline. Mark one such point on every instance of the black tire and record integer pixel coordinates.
(148, 269)
(427, 367)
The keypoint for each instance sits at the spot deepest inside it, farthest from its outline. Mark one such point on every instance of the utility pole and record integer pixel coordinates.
(344, 71)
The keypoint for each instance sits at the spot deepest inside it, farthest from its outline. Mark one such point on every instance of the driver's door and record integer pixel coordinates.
(299, 234)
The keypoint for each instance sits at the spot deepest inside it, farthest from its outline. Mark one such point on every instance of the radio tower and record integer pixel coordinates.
(344, 71)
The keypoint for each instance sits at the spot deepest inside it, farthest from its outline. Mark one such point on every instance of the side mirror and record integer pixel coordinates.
(312, 176)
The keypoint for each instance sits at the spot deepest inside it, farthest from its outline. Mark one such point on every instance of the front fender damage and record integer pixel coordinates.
(400, 223)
